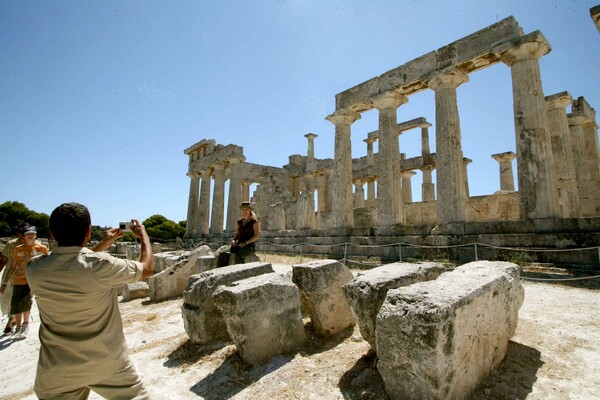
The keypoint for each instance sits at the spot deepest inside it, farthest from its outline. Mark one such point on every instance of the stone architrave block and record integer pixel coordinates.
(366, 293)
(262, 315)
(320, 284)
(167, 259)
(172, 281)
(202, 320)
(136, 290)
(438, 339)
(205, 263)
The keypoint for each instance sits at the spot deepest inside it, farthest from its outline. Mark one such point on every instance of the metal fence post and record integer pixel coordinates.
(400, 252)
(476, 255)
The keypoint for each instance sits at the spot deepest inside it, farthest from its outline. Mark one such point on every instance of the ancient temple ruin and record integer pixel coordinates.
(558, 161)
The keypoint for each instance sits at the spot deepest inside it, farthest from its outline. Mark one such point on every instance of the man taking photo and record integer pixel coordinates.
(82, 345)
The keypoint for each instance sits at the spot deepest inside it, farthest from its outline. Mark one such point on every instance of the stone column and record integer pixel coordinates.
(323, 191)
(466, 162)
(451, 202)
(536, 185)
(370, 157)
(310, 153)
(407, 186)
(235, 193)
(203, 217)
(389, 209)
(218, 203)
(342, 213)
(246, 189)
(425, 150)
(585, 183)
(591, 151)
(427, 187)
(359, 193)
(507, 180)
(564, 166)
(190, 227)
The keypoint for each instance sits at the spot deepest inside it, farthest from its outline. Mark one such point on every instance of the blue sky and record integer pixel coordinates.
(98, 99)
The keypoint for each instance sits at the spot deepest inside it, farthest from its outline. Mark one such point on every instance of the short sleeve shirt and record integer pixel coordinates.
(22, 256)
(81, 332)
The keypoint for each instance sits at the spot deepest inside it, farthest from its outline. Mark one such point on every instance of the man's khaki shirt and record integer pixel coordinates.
(81, 332)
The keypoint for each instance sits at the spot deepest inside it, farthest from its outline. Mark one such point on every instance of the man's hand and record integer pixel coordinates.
(138, 229)
(109, 238)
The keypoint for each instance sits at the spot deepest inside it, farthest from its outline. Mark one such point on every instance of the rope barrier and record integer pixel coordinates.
(560, 279)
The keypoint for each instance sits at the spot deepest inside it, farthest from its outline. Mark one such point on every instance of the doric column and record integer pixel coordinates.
(389, 209)
(190, 227)
(246, 189)
(310, 153)
(407, 186)
(203, 216)
(218, 203)
(371, 198)
(425, 150)
(507, 180)
(342, 214)
(583, 174)
(563, 166)
(427, 187)
(235, 192)
(466, 162)
(370, 157)
(534, 160)
(451, 200)
(359, 193)
(591, 151)
(323, 193)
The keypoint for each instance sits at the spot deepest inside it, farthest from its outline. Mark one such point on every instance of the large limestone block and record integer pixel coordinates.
(136, 290)
(172, 281)
(202, 320)
(262, 315)
(205, 263)
(439, 339)
(366, 293)
(320, 284)
(167, 259)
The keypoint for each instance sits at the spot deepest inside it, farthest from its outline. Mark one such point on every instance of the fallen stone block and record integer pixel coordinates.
(167, 259)
(320, 284)
(172, 281)
(136, 290)
(262, 315)
(202, 320)
(205, 263)
(438, 339)
(366, 293)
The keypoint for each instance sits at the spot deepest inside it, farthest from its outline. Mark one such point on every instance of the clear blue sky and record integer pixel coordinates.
(98, 99)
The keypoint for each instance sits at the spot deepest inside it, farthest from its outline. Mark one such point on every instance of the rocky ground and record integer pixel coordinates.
(553, 355)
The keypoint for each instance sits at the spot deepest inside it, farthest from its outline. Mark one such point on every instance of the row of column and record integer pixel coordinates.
(202, 218)
(536, 185)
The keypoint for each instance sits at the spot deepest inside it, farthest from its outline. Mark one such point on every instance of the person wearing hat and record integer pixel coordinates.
(6, 261)
(20, 302)
(248, 232)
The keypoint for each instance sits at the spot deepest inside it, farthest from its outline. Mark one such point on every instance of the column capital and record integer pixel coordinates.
(407, 174)
(310, 136)
(578, 119)
(194, 174)
(343, 117)
(369, 140)
(532, 47)
(504, 157)
(389, 100)
(558, 101)
(427, 168)
(451, 78)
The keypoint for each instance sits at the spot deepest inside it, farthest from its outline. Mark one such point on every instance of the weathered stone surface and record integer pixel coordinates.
(167, 259)
(136, 290)
(202, 320)
(366, 293)
(262, 315)
(172, 281)
(205, 263)
(320, 284)
(439, 339)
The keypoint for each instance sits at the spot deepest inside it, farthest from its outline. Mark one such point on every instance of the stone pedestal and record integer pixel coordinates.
(438, 339)
(320, 284)
(262, 315)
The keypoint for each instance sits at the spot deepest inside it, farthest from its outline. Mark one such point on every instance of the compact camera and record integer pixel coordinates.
(125, 226)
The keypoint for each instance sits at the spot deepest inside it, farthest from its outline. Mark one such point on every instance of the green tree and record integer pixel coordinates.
(13, 214)
(161, 228)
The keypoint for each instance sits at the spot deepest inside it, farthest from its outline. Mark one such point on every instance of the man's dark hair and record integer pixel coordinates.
(69, 223)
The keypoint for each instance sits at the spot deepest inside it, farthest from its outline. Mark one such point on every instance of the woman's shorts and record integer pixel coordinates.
(21, 299)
